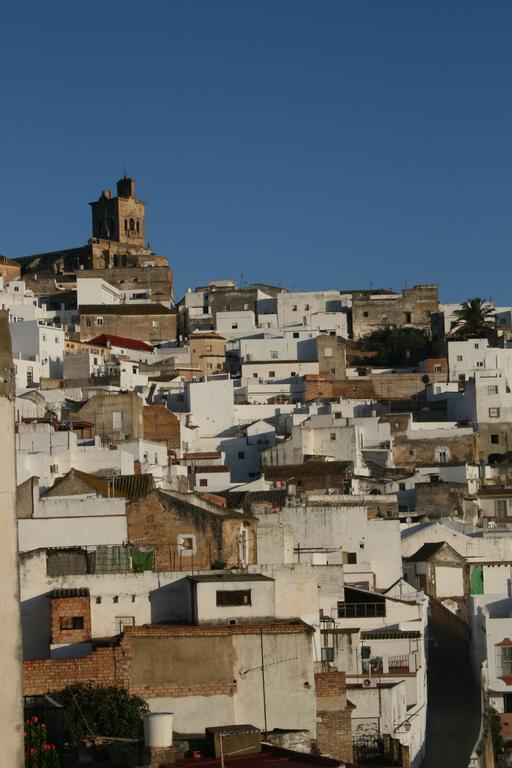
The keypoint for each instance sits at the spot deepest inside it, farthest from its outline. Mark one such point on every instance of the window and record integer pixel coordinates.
(459, 358)
(124, 621)
(273, 354)
(99, 321)
(492, 390)
(333, 371)
(98, 600)
(186, 543)
(246, 307)
(365, 313)
(351, 558)
(44, 337)
(70, 623)
(117, 419)
(407, 317)
(30, 376)
(208, 347)
(442, 456)
(296, 334)
(494, 413)
(203, 482)
(401, 486)
(477, 346)
(271, 374)
(384, 316)
(504, 660)
(328, 653)
(234, 326)
(155, 323)
(495, 439)
(56, 339)
(332, 436)
(500, 508)
(328, 351)
(306, 308)
(241, 454)
(294, 308)
(209, 365)
(293, 373)
(255, 375)
(234, 597)
(115, 599)
(226, 308)
(438, 368)
(480, 364)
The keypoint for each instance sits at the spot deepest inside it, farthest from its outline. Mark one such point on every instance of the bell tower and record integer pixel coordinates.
(121, 218)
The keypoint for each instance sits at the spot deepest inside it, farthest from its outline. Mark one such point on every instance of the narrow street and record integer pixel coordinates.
(453, 719)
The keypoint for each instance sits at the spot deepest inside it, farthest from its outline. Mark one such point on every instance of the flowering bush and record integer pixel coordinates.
(38, 752)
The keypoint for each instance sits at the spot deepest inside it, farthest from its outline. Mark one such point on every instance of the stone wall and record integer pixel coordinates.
(414, 308)
(160, 520)
(411, 453)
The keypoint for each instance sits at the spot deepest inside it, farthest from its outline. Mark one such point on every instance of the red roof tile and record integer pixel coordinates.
(108, 340)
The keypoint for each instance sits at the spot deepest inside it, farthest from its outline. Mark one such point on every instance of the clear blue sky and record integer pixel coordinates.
(317, 144)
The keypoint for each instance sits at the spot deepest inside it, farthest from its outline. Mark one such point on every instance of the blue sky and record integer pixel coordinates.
(320, 144)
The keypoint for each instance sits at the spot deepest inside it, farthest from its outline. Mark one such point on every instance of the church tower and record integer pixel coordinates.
(121, 218)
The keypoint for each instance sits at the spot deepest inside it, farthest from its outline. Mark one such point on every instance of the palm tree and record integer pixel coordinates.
(475, 318)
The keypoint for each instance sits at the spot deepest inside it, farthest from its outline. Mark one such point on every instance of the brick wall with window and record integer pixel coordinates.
(71, 616)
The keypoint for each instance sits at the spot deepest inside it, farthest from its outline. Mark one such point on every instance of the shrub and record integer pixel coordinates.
(101, 711)
(39, 753)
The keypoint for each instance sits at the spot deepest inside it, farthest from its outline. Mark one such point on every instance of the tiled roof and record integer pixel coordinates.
(76, 592)
(425, 552)
(202, 455)
(208, 468)
(269, 757)
(107, 339)
(125, 309)
(119, 486)
(243, 499)
(389, 634)
(307, 469)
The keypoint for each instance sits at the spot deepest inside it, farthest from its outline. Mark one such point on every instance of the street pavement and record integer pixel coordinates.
(453, 713)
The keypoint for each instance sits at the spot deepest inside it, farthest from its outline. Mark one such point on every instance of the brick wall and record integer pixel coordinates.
(161, 424)
(334, 723)
(113, 665)
(63, 611)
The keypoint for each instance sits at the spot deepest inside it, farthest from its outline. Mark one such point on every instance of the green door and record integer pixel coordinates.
(476, 581)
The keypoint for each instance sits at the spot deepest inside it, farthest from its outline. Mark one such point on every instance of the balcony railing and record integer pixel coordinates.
(398, 664)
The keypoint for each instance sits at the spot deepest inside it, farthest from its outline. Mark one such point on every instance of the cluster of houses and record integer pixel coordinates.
(225, 506)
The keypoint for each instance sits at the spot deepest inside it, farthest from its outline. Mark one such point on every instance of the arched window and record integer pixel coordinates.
(132, 225)
(126, 225)
(138, 230)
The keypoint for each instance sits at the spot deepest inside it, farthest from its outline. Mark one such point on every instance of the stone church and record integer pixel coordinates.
(117, 251)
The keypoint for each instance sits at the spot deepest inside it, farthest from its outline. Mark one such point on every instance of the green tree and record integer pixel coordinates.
(397, 346)
(494, 723)
(474, 319)
(101, 711)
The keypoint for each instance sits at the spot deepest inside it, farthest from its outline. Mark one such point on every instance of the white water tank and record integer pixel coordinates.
(158, 729)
